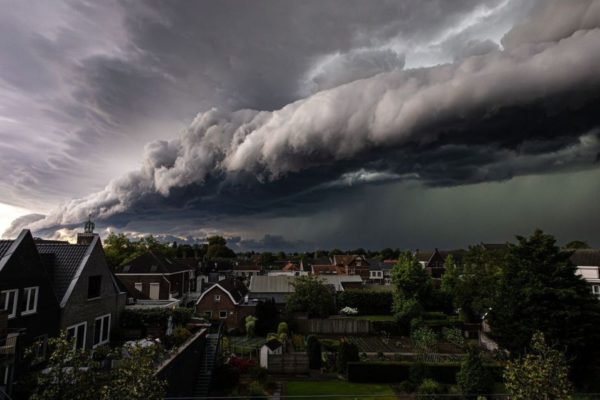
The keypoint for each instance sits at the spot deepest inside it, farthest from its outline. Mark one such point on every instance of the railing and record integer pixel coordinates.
(217, 353)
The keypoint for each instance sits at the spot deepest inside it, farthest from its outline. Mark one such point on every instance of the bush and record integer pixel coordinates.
(398, 371)
(282, 328)
(430, 387)
(181, 335)
(243, 365)
(367, 301)
(347, 352)
(473, 378)
(313, 349)
(454, 336)
(405, 310)
(259, 374)
(406, 387)
(256, 391)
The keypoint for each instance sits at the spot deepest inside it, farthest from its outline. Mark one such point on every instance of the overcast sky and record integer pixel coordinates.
(302, 125)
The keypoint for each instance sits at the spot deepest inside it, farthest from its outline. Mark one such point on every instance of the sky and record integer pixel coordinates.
(302, 125)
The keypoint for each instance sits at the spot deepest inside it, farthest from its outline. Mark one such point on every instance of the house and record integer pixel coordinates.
(273, 346)
(244, 271)
(32, 312)
(8, 354)
(290, 269)
(278, 288)
(90, 299)
(226, 301)
(376, 269)
(432, 261)
(327, 269)
(386, 267)
(353, 265)
(306, 264)
(271, 287)
(156, 277)
(587, 262)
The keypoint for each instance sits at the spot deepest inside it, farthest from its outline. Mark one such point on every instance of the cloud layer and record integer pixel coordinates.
(527, 107)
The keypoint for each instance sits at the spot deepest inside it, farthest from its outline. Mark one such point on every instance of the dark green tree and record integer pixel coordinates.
(347, 352)
(473, 378)
(411, 279)
(313, 349)
(539, 290)
(311, 296)
(217, 248)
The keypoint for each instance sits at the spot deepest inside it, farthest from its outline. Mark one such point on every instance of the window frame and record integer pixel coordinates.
(226, 314)
(596, 290)
(75, 326)
(154, 285)
(12, 314)
(27, 296)
(101, 318)
(140, 284)
(217, 298)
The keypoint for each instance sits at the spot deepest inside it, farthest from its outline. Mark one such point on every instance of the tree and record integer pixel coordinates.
(473, 283)
(347, 352)
(411, 279)
(540, 291)
(473, 378)
(117, 248)
(75, 374)
(266, 258)
(282, 328)
(539, 375)
(577, 244)
(217, 248)
(250, 325)
(312, 296)
(70, 374)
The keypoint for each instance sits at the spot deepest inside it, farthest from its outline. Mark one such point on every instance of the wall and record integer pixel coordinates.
(182, 369)
(208, 303)
(334, 326)
(79, 309)
(132, 279)
(288, 363)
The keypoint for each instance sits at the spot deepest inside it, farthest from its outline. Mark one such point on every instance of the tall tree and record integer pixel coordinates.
(411, 279)
(539, 290)
(312, 296)
(217, 248)
(577, 244)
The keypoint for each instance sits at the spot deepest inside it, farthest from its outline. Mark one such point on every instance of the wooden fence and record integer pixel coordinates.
(334, 326)
(288, 363)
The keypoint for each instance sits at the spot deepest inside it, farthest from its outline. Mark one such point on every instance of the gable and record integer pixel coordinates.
(216, 289)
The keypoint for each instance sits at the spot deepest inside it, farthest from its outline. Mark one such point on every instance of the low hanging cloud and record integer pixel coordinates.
(525, 109)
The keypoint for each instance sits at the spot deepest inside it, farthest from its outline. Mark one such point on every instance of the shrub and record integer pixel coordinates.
(454, 336)
(406, 387)
(250, 325)
(313, 349)
(282, 328)
(429, 387)
(405, 310)
(243, 365)
(259, 374)
(347, 352)
(181, 335)
(424, 341)
(473, 378)
(418, 372)
(256, 391)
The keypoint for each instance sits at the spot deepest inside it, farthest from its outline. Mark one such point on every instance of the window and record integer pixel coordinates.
(138, 286)
(223, 314)
(217, 297)
(8, 301)
(208, 314)
(102, 330)
(77, 332)
(596, 290)
(94, 286)
(30, 296)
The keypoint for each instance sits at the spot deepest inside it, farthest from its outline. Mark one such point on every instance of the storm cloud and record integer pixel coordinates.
(525, 105)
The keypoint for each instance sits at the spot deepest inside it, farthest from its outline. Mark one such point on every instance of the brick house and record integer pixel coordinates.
(152, 276)
(88, 294)
(353, 265)
(225, 301)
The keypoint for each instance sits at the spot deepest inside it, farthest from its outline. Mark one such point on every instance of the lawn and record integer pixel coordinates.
(342, 388)
(376, 317)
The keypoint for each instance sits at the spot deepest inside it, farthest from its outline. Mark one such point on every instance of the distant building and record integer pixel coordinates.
(587, 262)
(154, 277)
(225, 301)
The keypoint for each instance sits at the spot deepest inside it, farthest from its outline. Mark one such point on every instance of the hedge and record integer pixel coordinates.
(392, 372)
(368, 302)
(137, 319)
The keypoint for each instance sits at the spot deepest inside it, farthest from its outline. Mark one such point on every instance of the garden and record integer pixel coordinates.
(343, 389)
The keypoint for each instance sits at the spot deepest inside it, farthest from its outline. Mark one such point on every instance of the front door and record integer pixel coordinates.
(154, 291)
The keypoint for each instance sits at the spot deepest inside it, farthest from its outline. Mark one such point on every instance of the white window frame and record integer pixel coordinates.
(226, 314)
(27, 294)
(217, 298)
(12, 314)
(596, 290)
(154, 285)
(75, 336)
(138, 286)
(102, 318)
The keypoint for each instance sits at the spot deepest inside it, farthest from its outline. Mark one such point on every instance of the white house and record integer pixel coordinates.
(587, 262)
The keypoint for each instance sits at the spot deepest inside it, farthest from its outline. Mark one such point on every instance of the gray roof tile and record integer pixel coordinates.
(67, 258)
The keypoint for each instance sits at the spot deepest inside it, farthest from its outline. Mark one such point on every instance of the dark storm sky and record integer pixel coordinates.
(309, 124)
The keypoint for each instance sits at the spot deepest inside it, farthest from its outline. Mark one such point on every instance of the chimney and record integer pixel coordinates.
(85, 238)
